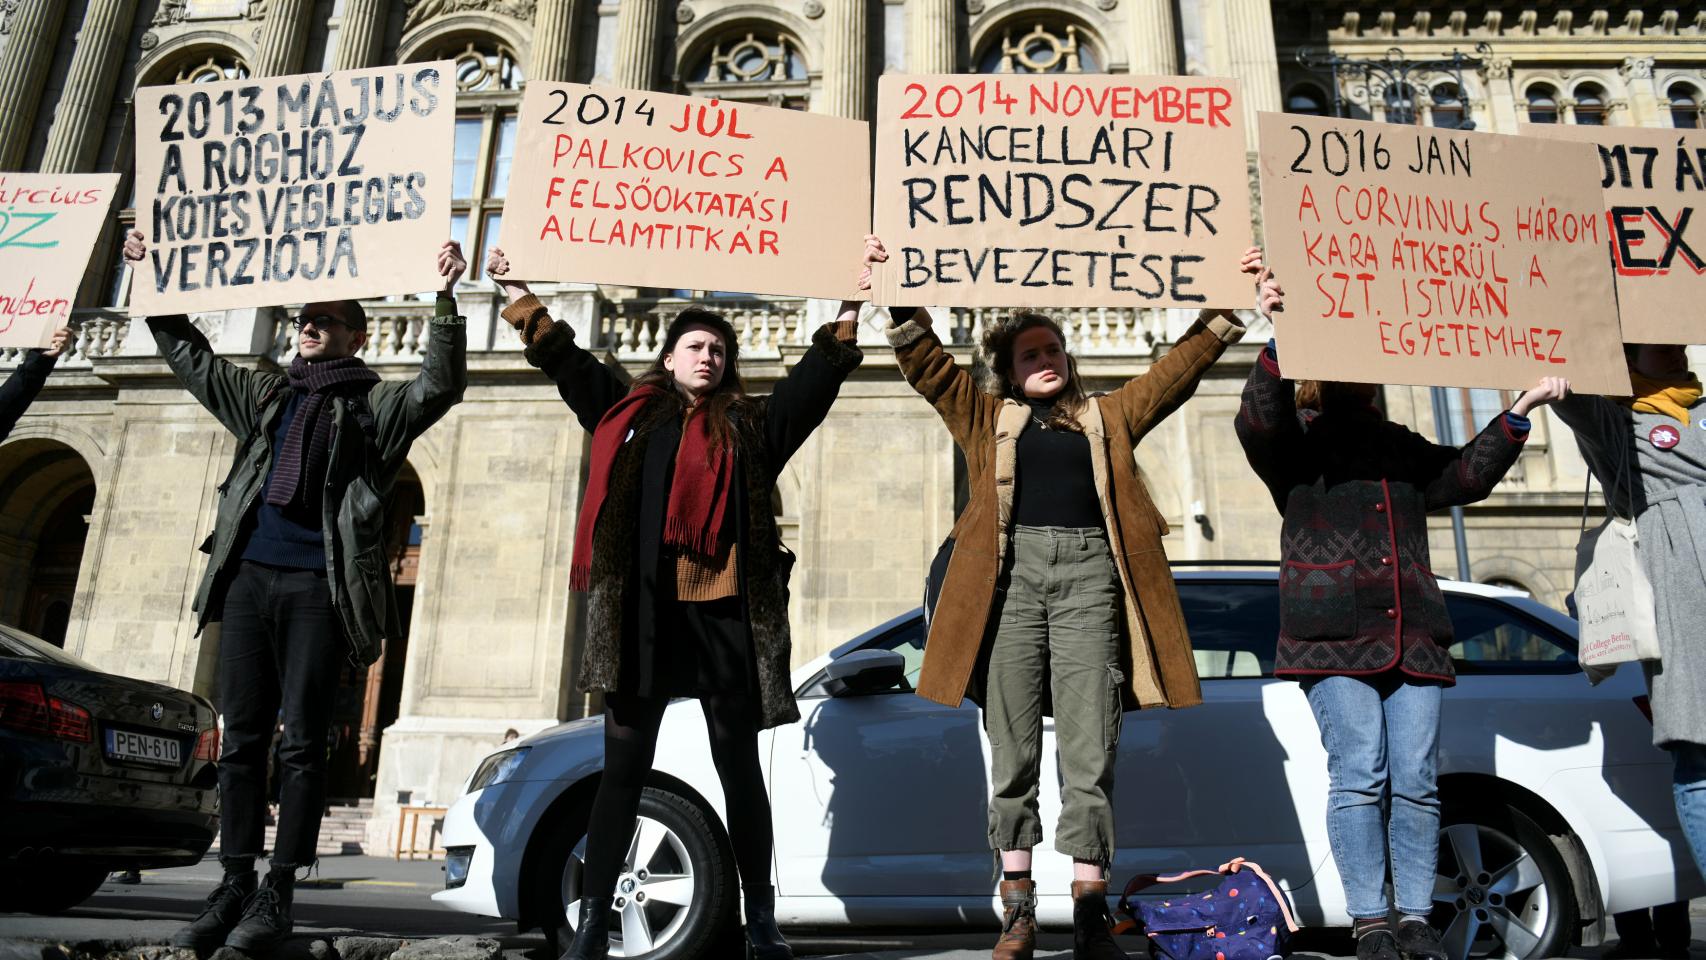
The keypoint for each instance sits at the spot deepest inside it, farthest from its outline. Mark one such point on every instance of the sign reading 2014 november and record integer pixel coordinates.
(288, 189)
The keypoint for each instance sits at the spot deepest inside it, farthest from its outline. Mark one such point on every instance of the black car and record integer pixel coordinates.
(97, 773)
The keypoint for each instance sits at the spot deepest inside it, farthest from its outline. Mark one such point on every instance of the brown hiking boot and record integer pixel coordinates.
(1092, 936)
(1018, 920)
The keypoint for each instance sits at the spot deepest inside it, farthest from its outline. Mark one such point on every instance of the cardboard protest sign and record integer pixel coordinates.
(656, 190)
(1060, 191)
(1655, 224)
(48, 227)
(288, 189)
(1418, 255)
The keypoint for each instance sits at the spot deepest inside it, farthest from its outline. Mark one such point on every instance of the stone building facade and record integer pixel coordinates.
(107, 486)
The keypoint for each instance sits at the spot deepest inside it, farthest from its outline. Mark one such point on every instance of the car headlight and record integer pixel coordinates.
(497, 768)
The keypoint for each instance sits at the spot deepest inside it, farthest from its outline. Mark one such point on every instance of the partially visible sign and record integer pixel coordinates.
(289, 189)
(1062, 190)
(1655, 224)
(1419, 255)
(49, 223)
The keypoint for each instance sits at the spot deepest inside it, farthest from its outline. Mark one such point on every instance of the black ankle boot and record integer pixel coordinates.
(763, 938)
(266, 917)
(220, 916)
(1092, 923)
(592, 933)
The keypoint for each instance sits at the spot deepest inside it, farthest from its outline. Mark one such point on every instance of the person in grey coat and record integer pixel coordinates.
(1648, 452)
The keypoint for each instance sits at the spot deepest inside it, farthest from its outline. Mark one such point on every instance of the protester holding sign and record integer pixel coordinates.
(26, 381)
(1649, 450)
(292, 570)
(1363, 623)
(1075, 590)
(686, 576)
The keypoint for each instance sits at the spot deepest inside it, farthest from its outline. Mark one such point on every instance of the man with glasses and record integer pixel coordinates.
(297, 571)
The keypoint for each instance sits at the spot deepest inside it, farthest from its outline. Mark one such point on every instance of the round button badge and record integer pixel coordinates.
(1664, 436)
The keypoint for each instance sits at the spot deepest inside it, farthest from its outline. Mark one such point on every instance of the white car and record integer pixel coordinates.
(1557, 807)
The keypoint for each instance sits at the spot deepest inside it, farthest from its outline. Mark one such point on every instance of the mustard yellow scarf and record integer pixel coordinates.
(1670, 398)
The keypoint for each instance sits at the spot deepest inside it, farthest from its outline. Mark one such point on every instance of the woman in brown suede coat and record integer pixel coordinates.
(1058, 587)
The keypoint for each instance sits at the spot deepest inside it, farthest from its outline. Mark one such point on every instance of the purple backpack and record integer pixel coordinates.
(1246, 917)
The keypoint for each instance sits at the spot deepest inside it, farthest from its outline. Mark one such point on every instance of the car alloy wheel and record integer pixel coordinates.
(1501, 890)
(654, 892)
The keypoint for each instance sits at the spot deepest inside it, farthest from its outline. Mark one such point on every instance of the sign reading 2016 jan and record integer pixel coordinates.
(657, 190)
(1416, 255)
(287, 189)
(1056, 191)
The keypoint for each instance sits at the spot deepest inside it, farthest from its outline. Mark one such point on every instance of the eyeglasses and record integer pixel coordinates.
(320, 321)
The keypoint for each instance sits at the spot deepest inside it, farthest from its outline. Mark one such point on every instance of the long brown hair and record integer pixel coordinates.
(998, 341)
(1319, 395)
(729, 393)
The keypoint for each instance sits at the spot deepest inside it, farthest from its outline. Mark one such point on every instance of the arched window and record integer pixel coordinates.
(1684, 106)
(1447, 106)
(755, 63)
(1400, 102)
(1044, 48)
(488, 93)
(1307, 100)
(1590, 105)
(214, 69)
(1542, 103)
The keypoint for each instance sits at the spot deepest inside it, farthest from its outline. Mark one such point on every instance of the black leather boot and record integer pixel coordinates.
(266, 917)
(592, 933)
(1092, 934)
(224, 909)
(763, 938)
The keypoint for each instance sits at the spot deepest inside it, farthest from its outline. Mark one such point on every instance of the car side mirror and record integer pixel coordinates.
(864, 672)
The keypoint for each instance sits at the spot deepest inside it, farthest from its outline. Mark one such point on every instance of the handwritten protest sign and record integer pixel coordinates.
(286, 189)
(1655, 185)
(1416, 255)
(48, 225)
(1059, 191)
(654, 190)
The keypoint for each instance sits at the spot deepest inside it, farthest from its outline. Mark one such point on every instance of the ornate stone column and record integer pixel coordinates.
(284, 38)
(1250, 38)
(360, 34)
(1644, 100)
(636, 43)
(80, 118)
(34, 29)
(1501, 97)
(930, 44)
(553, 41)
(1153, 30)
(844, 60)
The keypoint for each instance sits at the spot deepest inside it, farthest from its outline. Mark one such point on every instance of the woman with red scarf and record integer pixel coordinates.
(687, 579)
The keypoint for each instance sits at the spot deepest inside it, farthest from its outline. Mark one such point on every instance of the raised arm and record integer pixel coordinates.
(21, 388)
(588, 386)
(444, 371)
(801, 400)
(1467, 474)
(1604, 430)
(1267, 426)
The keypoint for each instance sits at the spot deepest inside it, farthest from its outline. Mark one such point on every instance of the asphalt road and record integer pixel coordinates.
(380, 897)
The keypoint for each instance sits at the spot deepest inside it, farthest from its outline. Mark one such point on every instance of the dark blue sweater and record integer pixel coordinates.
(288, 537)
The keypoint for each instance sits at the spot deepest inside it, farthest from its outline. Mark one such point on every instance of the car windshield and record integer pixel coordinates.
(18, 645)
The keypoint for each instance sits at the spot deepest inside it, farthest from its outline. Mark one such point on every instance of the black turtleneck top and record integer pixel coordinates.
(1056, 486)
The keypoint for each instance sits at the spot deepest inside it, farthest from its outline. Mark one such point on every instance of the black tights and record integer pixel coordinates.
(630, 739)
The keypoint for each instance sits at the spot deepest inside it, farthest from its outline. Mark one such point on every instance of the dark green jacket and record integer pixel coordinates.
(369, 443)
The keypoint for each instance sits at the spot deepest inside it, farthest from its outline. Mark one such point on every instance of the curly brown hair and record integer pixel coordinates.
(998, 339)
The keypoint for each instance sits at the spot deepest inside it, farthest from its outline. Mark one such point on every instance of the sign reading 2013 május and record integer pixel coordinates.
(48, 225)
(1425, 256)
(1655, 185)
(1061, 191)
(288, 189)
(656, 190)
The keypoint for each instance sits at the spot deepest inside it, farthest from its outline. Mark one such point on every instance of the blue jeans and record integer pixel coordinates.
(1382, 740)
(1688, 782)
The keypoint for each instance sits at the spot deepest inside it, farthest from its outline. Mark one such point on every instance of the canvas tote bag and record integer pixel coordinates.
(1614, 598)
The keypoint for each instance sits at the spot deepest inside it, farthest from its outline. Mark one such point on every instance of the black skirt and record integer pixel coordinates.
(670, 647)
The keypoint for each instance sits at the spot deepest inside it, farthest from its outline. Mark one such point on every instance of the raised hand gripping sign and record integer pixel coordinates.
(655, 190)
(1417, 255)
(48, 225)
(1061, 191)
(288, 189)
(1655, 224)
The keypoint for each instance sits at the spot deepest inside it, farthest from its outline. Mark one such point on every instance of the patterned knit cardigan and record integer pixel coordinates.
(1358, 594)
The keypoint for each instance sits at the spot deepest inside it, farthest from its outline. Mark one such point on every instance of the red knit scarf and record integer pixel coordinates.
(698, 491)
